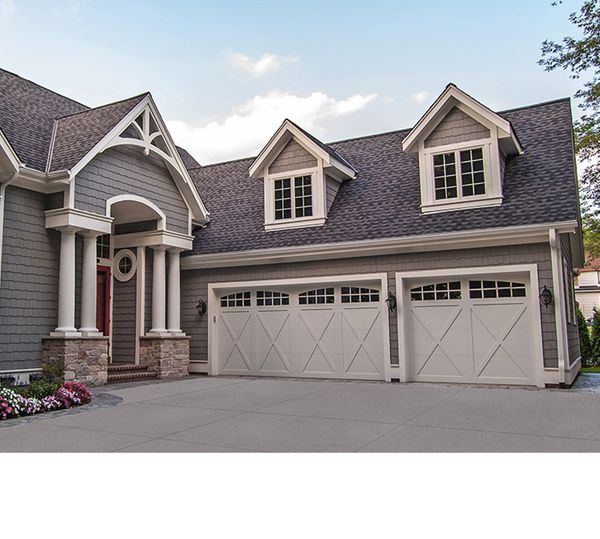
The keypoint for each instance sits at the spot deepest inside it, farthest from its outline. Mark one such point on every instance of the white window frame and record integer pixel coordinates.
(119, 275)
(318, 192)
(491, 171)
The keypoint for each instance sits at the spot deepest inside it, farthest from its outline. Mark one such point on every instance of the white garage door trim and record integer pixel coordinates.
(403, 280)
(217, 290)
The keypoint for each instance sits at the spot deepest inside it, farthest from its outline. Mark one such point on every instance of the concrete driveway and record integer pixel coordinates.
(237, 414)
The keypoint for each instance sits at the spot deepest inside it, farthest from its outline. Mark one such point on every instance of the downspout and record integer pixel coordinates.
(559, 314)
(2, 199)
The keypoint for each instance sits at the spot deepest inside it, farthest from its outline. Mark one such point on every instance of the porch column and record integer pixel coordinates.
(88, 284)
(159, 290)
(173, 310)
(66, 283)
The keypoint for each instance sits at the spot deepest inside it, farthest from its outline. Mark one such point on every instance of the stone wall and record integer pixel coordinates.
(169, 357)
(82, 359)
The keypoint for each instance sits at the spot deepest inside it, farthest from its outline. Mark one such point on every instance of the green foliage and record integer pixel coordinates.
(596, 338)
(591, 236)
(53, 372)
(581, 56)
(37, 390)
(585, 342)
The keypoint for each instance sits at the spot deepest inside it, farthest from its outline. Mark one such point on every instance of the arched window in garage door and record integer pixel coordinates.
(318, 296)
(354, 294)
(436, 291)
(239, 299)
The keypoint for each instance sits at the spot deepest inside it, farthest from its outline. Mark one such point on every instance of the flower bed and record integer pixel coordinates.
(14, 404)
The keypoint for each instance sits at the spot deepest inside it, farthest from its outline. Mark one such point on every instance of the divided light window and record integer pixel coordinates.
(293, 197)
(458, 174)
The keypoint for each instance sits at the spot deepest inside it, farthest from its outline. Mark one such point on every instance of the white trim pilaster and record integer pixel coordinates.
(66, 285)
(560, 315)
(159, 290)
(174, 293)
(88, 285)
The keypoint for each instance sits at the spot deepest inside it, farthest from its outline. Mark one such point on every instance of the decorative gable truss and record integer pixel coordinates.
(462, 147)
(301, 178)
(144, 128)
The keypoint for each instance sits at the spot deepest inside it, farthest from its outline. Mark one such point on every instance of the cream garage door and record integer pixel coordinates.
(321, 331)
(471, 330)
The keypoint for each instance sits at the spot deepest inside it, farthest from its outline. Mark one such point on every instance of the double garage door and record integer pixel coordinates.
(471, 330)
(466, 329)
(319, 331)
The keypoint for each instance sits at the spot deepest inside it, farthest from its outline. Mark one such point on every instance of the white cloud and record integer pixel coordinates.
(7, 8)
(245, 131)
(257, 67)
(420, 97)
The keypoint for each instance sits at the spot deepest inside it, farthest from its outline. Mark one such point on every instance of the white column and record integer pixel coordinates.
(89, 288)
(158, 290)
(66, 284)
(173, 308)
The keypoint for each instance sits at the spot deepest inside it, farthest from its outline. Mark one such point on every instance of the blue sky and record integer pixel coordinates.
(225, 74)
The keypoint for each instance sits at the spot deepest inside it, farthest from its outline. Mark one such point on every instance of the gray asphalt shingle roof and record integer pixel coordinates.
(384, 199)
(29, 114)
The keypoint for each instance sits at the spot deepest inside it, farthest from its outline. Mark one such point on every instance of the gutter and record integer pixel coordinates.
(2, 200)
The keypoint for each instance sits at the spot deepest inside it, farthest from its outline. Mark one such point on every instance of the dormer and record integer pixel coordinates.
(301, 178)
(462, 147)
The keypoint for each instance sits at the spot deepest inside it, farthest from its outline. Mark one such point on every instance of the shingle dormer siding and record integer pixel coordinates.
(457, 126)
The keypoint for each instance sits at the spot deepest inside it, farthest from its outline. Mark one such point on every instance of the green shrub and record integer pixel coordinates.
(596, 338)
(37, 390)
(585, 343)
(53, 372)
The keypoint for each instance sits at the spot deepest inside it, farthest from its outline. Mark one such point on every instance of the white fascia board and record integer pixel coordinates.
(442, 105)
(74, 219)
(182, 178)
(407, 244)
(154, 238)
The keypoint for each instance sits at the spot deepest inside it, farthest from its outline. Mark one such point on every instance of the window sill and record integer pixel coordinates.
(461, 205)
(299, 223)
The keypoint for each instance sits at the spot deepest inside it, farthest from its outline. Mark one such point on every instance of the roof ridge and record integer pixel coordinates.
(51, 146)
(91, 109)
(534, 105)
(44, 88)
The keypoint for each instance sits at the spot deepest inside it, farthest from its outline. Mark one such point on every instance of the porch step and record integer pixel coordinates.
(119, 367)
(121, 373)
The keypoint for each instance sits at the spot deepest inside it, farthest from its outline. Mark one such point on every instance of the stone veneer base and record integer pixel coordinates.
(168, 356)
(82, 359)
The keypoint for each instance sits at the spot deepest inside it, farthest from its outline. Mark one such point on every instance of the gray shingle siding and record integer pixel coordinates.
(456, 127)
(123, 326)
(194, 284)
(29, 285)
(292, 157)
(120, 172)
(332, 187)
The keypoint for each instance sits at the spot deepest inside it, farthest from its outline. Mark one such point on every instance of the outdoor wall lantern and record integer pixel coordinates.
(546, 296)
(201, 307)
(391, 302)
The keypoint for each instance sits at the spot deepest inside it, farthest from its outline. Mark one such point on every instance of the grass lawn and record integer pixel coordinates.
(591, 369)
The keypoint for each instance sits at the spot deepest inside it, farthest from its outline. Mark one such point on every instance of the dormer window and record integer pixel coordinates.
(293, 197)
(461, 147)
(301, 178)
(459, 174)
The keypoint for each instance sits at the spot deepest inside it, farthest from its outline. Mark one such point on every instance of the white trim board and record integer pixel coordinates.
(408, 244)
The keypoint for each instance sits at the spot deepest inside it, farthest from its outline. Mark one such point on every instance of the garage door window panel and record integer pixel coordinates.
(496, 289)
(436, 291)
(319, 296)
(353, 294)
(269, 298)
(238, 299)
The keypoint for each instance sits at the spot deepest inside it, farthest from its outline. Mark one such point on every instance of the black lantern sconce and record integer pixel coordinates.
(391, 302)
(201, 307)
(546, 296)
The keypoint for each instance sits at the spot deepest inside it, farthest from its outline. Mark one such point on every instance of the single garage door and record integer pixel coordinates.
(471, 330)
(317, 331)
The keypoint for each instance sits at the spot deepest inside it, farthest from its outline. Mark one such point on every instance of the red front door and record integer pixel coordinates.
(103, 300)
